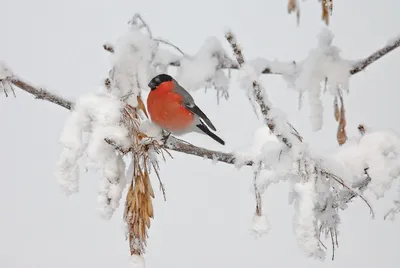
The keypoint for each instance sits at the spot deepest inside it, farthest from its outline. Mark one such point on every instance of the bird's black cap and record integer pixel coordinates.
(157, 80)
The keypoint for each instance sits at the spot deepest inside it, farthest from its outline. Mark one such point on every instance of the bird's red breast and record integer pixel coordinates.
(166, 109)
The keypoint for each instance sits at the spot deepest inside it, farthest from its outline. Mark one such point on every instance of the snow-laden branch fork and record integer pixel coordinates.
(115, 119)
(283, 68)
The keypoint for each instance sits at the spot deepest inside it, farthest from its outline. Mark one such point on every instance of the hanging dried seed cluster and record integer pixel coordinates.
(293, 7)
(139, 199)
(327, 8)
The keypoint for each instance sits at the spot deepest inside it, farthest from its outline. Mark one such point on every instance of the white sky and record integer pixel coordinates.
(206, 219)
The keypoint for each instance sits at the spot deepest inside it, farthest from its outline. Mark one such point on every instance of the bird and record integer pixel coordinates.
(172, 108)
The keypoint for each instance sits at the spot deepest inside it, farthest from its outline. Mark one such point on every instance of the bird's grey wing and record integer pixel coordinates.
(189, 103)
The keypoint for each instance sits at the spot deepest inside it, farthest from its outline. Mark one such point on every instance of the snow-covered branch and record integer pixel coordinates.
(172, 143)
(284, 132)
(289, 68)
(362, 64)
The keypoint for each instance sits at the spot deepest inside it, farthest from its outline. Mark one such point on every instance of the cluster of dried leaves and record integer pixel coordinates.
(139, 199)
(326, 5)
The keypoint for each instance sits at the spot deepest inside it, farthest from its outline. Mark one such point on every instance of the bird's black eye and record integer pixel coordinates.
(159, 79)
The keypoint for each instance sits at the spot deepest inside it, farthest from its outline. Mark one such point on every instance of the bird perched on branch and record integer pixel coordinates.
(173, 108)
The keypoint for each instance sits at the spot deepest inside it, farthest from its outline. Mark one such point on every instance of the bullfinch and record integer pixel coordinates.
(172, 108)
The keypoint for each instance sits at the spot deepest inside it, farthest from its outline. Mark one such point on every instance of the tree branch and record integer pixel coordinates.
(41, 93)
(291, 67)
(361, 65)
(180, 146)
(187, 148)
(172, 144)
(258, 94)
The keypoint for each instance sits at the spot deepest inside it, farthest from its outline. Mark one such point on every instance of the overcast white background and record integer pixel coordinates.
(206, 219)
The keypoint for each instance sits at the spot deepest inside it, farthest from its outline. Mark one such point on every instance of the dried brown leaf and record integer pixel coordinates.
(292, 7)
(147, 220)
(150, 209)
(336, 109)
(361, 128)
(142, 106)
(327, 6)
(341, 133)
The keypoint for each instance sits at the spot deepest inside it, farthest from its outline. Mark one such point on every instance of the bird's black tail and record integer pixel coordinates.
(205, 129)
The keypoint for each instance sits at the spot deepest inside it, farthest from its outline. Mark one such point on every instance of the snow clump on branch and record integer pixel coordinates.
(95, 117)
(203, 69)
(323, 183)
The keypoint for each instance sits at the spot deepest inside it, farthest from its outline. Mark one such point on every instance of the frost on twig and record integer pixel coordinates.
(272, 117)
(5, 80)
(305, 220)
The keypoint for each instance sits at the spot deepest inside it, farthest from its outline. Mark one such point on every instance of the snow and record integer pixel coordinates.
(323, 62)
(98, 116)
(322, 183)
(132, 64)
(317, 198)
(257, 95)
(278, 67)
(137, 261)
(393, 41)
(379, 151)
(305, 222)
(150, 129)
(5, 71)
(322, 65)
(261, 225)
(202, 69)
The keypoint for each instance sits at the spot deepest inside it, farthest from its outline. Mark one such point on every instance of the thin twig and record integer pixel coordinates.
(138, 17)
(166, 42)
(41, 93)
(354, 193)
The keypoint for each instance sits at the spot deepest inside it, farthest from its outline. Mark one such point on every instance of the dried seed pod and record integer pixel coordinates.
(327, 6)
(361, 128)
(141, 106)
(150, 211)
(336, 109)
(341, 133)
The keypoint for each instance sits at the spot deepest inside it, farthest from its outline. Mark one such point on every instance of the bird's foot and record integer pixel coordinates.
(165, 136)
